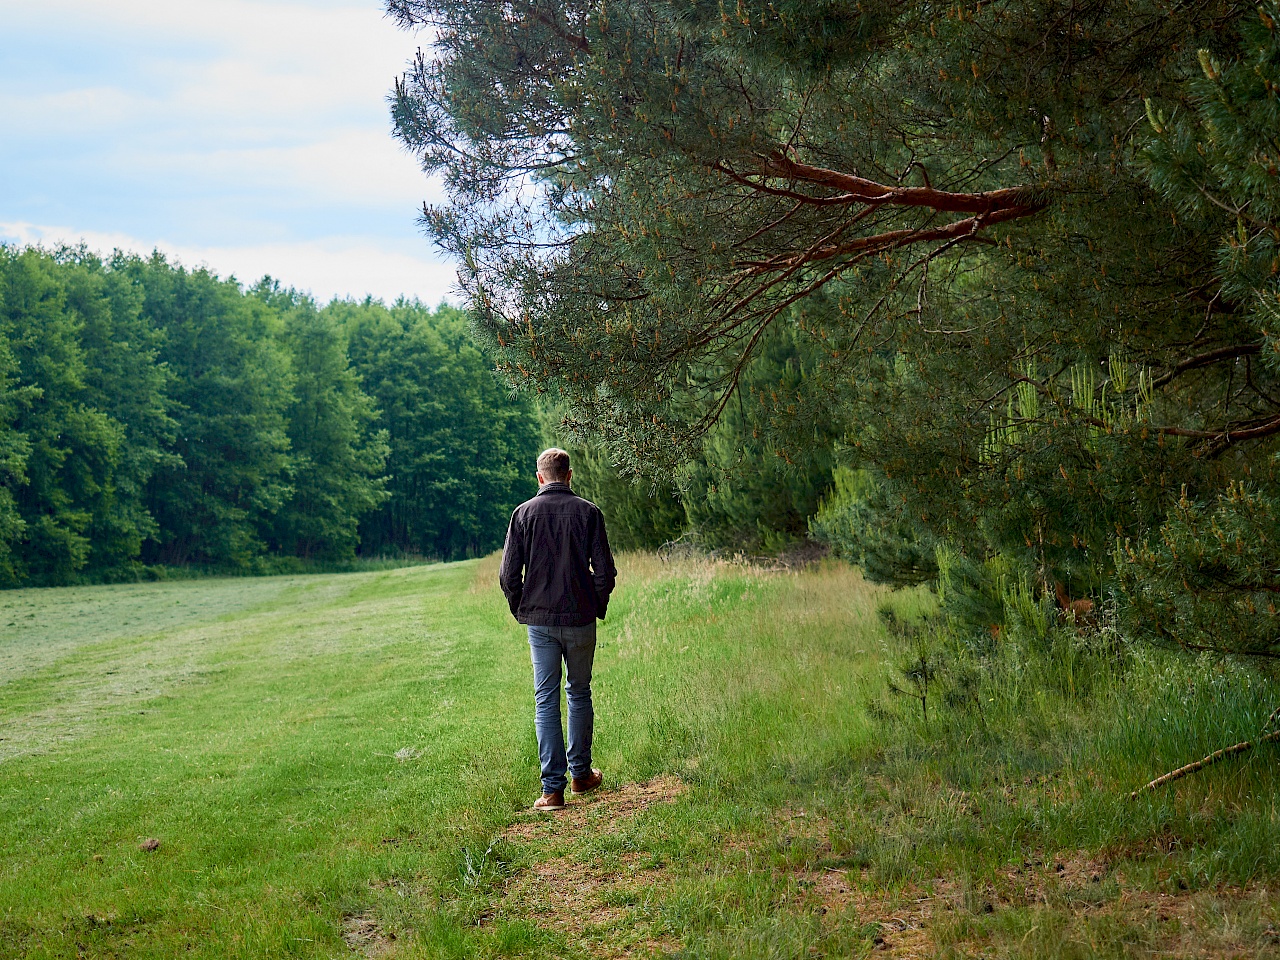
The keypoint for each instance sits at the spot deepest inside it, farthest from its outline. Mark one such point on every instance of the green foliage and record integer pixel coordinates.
(461, 448)
(1209, 581)
(231, 390)
(747, 491)
(84, 428)
(743, 492)
(336, 457)
(861, 522)
(639, 513)
(974, 594)
(1208, 577)
(14, 448)
(1035, 295)
(153, 416)
(124, 379)
(918, 661)
(1218, 152)
(677, 159)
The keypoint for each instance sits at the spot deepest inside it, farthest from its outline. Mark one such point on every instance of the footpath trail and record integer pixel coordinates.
(341, 766)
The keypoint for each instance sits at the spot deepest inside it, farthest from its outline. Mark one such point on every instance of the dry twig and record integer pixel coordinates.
(1211, 759)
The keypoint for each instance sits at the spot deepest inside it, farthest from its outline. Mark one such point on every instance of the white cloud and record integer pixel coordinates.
(355, 166)
(249, 135)
(62, 112)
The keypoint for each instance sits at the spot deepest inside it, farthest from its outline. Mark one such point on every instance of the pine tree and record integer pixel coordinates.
(1209, 577)
(1028, 334)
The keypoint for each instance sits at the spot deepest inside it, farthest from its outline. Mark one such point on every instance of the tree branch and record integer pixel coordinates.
(1211, 759)
(1226, 435)
(868, 191)
(1205, 359)
(572, 39)
(957, 230)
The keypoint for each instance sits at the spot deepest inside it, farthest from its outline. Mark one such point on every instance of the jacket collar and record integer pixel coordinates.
(554, 487)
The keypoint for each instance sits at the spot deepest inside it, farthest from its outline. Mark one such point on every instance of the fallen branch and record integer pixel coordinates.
(1211, 759)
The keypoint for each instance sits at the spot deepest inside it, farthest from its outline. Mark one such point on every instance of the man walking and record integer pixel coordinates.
(557, 573)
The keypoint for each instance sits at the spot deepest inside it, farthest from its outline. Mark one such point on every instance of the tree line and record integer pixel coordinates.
(1028, 252)
(153, 416)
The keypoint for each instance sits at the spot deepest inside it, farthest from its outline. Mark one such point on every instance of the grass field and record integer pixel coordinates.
(340, 765)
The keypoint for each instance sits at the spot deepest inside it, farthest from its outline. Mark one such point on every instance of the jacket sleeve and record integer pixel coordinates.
(603, 572)
(511, 573)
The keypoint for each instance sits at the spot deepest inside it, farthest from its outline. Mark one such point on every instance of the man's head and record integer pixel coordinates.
(553, 466)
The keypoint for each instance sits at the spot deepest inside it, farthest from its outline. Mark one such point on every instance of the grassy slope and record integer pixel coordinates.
(253, 727)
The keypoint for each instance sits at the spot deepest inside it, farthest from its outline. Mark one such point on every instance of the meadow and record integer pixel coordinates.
(341, 766)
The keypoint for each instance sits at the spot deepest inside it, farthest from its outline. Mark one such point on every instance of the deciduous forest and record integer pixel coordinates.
(155, 419)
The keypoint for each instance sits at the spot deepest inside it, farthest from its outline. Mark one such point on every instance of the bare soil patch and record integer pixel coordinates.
(590, 898)
(1224, 922)
(600, 808)
(361, 932)
(589, 902)
(904, 918)
(1088, 887)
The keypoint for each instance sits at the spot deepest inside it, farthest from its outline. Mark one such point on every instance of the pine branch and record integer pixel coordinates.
(861, 190)
(1226, 434)
(1204, 359)
(575, 41)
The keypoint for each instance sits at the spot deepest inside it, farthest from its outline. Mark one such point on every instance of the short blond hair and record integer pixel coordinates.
(553, 464)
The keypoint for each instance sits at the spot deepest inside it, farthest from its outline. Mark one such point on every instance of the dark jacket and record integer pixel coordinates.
(557, 570)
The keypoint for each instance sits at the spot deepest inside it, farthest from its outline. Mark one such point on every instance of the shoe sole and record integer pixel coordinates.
(547, 809)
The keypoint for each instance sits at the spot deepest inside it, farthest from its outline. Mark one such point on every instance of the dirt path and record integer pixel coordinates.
(579, 889)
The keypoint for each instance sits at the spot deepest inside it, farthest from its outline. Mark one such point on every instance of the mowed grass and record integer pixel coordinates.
(340, 765)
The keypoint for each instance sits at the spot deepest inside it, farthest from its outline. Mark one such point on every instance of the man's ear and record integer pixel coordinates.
(540, 480)
(568, 476)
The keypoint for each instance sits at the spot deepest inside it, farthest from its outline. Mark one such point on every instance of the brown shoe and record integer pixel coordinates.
(550, 801)
(588, 783)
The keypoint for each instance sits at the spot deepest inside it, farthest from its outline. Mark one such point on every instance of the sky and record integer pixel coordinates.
(248, 136)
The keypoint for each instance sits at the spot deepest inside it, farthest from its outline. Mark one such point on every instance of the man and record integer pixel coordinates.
(557, 573)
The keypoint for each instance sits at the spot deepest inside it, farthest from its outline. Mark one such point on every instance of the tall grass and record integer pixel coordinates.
(1049, 727)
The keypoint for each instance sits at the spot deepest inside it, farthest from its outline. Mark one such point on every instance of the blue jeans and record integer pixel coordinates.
(576, 646)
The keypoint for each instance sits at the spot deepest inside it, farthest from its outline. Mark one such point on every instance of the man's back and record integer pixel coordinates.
(557, 573)
(557, 569)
